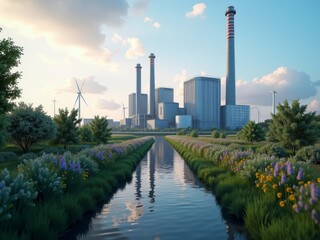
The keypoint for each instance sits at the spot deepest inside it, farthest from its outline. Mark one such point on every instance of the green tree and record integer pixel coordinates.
(194, 133)
(101, 132)
(86, 133)
(28, 125)
(251, 132)
(67, 127)
(293, 127)
(10, 55)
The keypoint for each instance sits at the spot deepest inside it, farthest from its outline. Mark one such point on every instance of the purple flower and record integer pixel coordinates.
(54, 161)
(312, 201)
(276, 169)
(290, 170)
(300, 174)
(297, 209)
(314, 191)
(283, 178)
(78, 168)
(314, 216)
(72, 166)
(63, 164)
(2, 184)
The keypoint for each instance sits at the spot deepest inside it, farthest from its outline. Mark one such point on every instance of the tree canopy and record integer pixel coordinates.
(293, 127)
(28, 125)
(101, 132)
(251, 132)
(67, 127)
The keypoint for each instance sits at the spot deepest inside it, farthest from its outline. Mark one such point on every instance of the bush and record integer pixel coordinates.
(7, 156)
(27, 156)
(215, 134)
(53, 150)
(194, 133)
(85, 133)
(272, 149)
(182, 132)
(308, 154)
(223, 135)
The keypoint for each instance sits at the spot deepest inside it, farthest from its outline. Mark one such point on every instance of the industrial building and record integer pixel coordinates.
(202, 101)
(202, 98)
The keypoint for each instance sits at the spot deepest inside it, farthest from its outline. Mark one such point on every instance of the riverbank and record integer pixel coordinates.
(275, 198)
(67, 186)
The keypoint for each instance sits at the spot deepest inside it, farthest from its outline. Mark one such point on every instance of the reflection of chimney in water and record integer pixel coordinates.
(152, 101)
(138, 182)
(138, 93)
(152, 169)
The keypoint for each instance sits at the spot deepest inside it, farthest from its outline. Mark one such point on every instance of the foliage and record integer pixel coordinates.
(3, 125)
(272, 150)
(182, 132)
(194, 133)
(86, 133)
(100, 129)
(215, 134)
(223, 135)
(251, 132)
(309, 153)
(28, 125)
(10, 55)
(27, 156)
(292, 127)
(4, 156)
(67, 126)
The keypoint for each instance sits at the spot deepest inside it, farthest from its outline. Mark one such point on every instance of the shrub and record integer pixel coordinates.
(87, 164)
(215, 134)
(223, 135)
(272, 149)
(53, 150)
(182, 132)
(4, 156)
(194, 133)
(27, 156)
(86, 133)
(308, 154)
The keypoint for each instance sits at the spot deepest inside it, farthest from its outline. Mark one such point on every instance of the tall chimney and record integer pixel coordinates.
(230, 78)
(152, 101)
(138, 91)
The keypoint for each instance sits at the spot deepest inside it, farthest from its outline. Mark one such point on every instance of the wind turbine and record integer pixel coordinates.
(78, 99)
(124, 112)
(54, 107)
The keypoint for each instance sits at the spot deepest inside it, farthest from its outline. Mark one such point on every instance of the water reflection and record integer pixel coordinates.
(164, 201)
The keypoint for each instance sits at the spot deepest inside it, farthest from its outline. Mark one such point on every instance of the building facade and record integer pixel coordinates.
(163, 95)
(202, 100)
(132, 104)
(234, 117)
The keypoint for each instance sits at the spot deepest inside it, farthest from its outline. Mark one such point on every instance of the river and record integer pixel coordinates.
(163, 201)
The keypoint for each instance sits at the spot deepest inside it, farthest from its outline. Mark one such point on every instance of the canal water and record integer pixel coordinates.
(163, 201)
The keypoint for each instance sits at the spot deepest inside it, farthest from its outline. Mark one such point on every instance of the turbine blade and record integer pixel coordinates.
(76, 101)
(83, 99)
(77, 85)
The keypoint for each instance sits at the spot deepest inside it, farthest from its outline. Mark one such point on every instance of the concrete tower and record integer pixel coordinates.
(138, 90)
(273, 101)
(152, 102)
(230, 78)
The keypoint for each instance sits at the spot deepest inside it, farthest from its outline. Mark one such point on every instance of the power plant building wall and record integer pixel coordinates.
(132, 104)
(168, 111)
(202, 100)
(163, 95)
(234, 116)
(183, 121)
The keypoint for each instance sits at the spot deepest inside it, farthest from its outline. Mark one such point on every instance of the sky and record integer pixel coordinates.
(98, 43)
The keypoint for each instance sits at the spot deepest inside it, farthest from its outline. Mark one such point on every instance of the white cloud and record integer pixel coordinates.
(74, 25)
(136, 48)
(203, 73)
(107, 104)
(197, 10)
(314, 106)
(87, 84)
(156, 25)
(140, 6)
(179, 80)
(147, 19)
(118, 39)
(290, 84)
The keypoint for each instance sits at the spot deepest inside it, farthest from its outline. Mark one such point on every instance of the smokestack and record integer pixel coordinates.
(230, 78)
(138, 91)
(152, 101)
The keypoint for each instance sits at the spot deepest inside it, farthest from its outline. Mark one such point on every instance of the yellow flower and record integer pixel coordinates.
(289, 189)
(318, 179)
(274, 186)
(281, 203)
(301, 182)
(291, 197)
(279, 194)
(264, 185)
(294, 206)
(309, 182)
(257, 185)
(264, 190)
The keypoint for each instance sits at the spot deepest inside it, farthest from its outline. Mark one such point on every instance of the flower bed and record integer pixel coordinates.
(73, 182)
(276, 191)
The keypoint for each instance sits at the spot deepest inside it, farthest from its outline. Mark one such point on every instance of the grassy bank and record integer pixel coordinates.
(275, 198)
(64, 192)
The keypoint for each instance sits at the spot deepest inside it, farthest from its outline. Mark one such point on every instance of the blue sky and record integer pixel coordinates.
(276, 47)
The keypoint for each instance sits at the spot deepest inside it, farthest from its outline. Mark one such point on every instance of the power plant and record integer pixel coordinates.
(202, 98)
